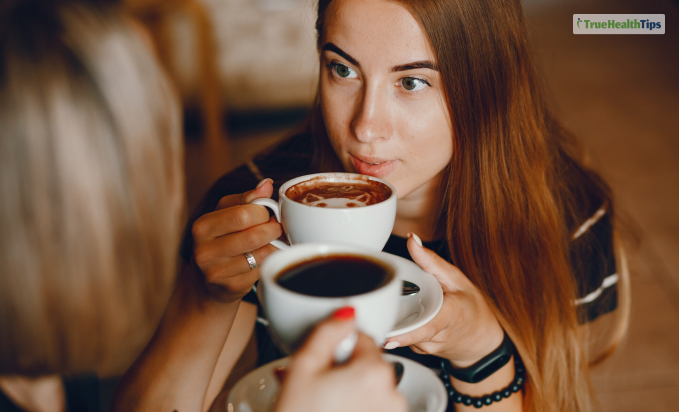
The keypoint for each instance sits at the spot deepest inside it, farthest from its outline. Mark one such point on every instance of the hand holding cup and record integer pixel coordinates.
(465, 329)
(365, 383)
(221, 238)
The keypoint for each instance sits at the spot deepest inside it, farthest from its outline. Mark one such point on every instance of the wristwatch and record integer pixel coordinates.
(487, 366)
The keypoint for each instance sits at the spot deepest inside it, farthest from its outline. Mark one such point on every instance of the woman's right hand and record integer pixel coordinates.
(365, 383)
(223, 236)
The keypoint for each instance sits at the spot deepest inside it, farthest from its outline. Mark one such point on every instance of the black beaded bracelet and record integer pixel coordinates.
(515, 386)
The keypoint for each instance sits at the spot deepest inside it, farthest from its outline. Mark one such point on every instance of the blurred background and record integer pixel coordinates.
(247, 70)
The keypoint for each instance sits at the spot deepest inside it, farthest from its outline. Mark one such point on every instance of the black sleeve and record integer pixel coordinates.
(593, 263)
(82, 393)
(286, 160)
(237, 181)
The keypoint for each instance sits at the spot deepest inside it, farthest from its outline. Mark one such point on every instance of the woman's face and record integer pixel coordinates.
(381, 95)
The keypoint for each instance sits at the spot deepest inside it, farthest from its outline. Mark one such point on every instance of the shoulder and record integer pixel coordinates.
(592, 258)
(282, 162)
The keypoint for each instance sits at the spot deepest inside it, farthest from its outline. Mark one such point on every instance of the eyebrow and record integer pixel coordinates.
(424, 64)
(333, 48)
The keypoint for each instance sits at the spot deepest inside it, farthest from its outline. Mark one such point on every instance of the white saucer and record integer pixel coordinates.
(418, 309)
(414, 310)
(256, 391)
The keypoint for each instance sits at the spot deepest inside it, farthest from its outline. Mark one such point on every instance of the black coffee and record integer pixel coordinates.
(335, 276)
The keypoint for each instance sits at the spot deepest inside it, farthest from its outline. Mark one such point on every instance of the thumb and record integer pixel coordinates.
(317, 352)
(263, 189)
(448, 275)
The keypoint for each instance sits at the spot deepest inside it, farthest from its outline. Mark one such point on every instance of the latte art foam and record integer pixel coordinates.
(333, 194)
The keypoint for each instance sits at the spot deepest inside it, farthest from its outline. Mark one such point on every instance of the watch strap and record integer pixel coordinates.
(487, 366)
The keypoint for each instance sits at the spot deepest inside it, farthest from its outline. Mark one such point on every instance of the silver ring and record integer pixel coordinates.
(251, 260)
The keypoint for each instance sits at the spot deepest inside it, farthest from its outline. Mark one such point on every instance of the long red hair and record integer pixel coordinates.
(514, 191)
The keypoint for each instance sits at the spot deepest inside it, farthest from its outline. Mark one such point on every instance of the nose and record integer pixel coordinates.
(371, 121)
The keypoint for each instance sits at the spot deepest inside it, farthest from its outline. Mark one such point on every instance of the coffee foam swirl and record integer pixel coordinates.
(334, 193)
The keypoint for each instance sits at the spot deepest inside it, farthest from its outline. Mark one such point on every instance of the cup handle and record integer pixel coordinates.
(275, 206)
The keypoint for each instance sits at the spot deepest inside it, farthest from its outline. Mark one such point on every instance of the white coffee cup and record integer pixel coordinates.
(367, 226)
(292, 315)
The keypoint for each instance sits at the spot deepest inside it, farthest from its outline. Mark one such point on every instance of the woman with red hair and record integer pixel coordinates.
(441, 98)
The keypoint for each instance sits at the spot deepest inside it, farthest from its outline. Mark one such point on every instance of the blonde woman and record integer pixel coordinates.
(91, 195)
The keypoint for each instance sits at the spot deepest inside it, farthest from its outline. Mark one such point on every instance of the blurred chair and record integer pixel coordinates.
(154, 15)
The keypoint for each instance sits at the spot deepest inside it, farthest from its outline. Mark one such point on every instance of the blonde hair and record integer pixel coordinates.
(91, 189)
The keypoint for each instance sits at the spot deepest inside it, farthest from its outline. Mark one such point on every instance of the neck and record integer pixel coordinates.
(44, 394)
(418, 212)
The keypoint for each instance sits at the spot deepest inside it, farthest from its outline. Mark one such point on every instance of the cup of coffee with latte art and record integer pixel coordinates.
(337, 208)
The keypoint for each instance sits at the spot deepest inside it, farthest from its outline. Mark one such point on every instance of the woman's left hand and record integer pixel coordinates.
(465, 329)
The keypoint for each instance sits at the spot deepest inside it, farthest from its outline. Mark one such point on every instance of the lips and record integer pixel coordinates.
(372, 166)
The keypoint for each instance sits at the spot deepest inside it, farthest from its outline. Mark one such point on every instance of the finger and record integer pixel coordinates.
(220, 251)
(366, 349)
(367, 359)
(222, 270)
(225, 221)
(263, 189)
(448, 315)
(317, 352)
(235, 286)
(419, 335)
(247, 240)
(449, 276)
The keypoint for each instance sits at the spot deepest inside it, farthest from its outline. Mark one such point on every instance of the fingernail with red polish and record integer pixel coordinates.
(260, 184)
(345, 313)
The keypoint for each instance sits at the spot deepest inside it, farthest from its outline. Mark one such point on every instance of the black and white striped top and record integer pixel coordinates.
(594, 267)
(592, 254)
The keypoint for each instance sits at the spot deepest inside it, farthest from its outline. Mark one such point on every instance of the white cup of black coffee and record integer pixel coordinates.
(339, 208)
(307, 283)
